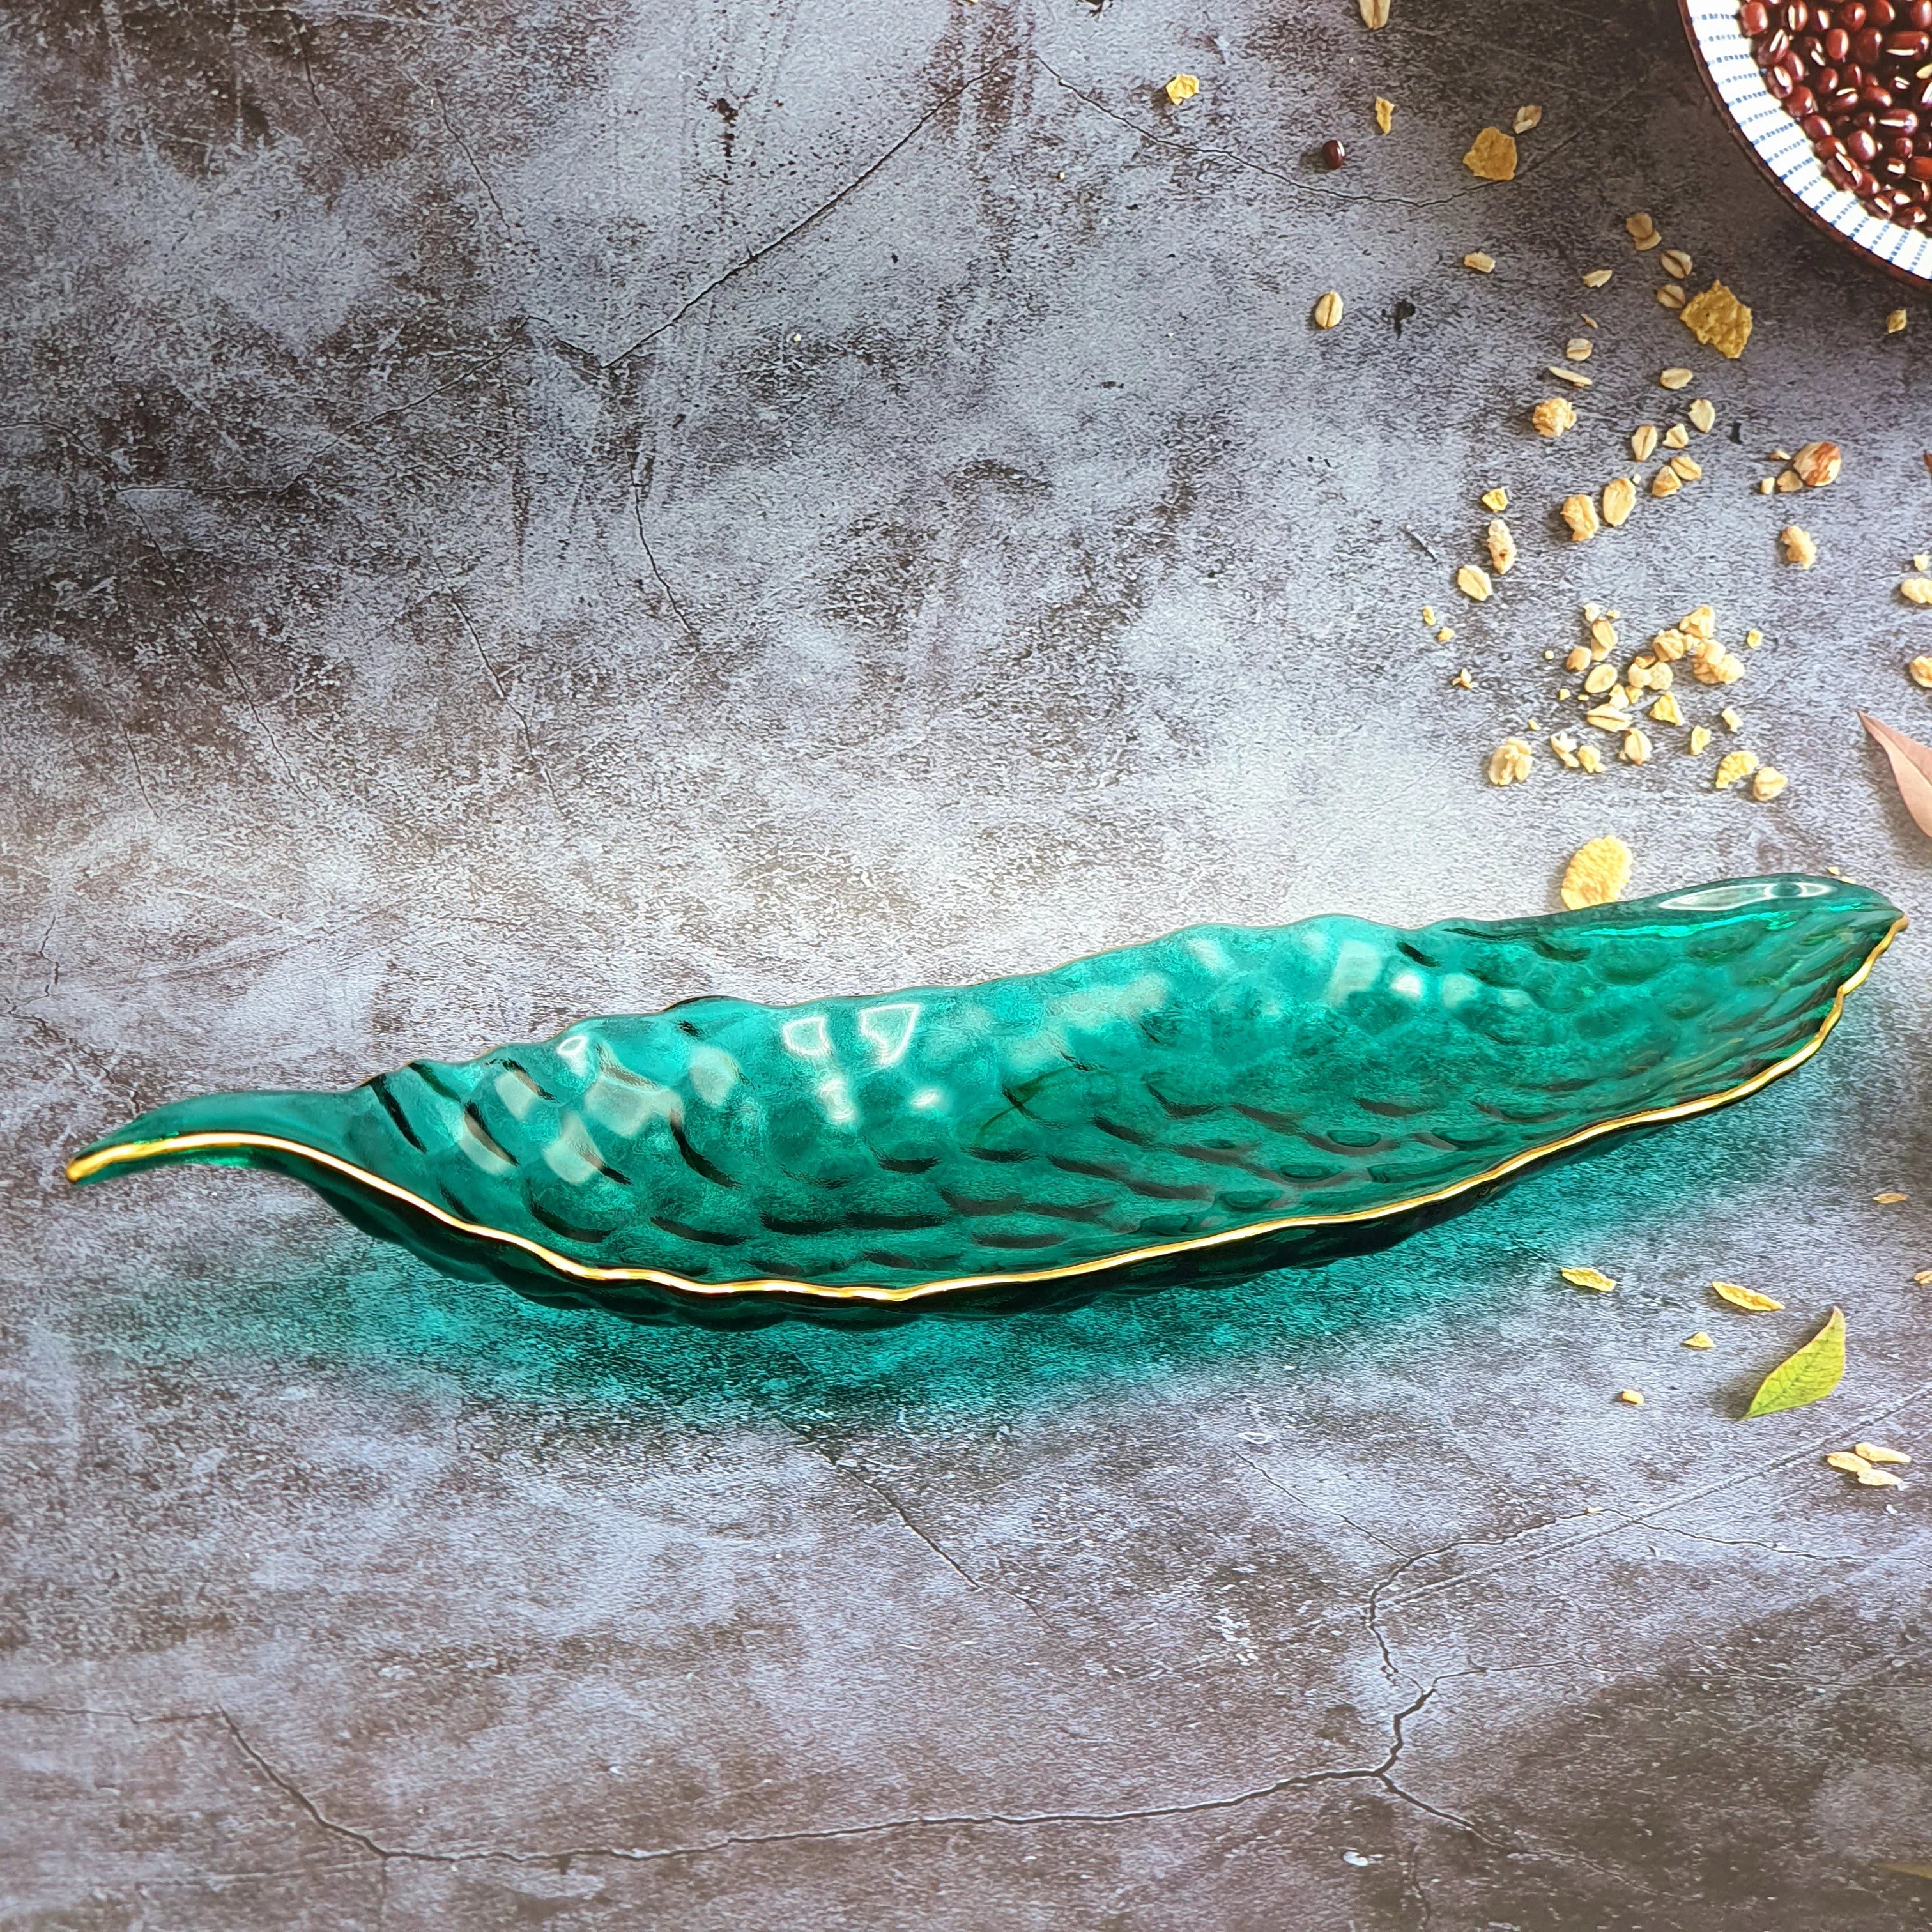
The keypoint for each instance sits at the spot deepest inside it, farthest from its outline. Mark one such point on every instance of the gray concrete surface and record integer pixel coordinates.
(513, 513)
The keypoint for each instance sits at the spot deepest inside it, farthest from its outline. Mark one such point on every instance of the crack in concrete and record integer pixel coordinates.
(650, 557)
(1372, 1605)
(503, 697)
(798, 228)
(462, 146)
(1744, 1542)
(1274, 1482)
(314, 1812)
(1619, 1523)
(1382, 1774)
(399, 410)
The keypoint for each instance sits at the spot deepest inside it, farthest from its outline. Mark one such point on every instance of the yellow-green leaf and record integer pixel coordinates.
(1808, 1376)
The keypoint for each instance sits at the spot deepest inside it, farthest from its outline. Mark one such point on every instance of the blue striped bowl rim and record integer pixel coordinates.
(1779, 142)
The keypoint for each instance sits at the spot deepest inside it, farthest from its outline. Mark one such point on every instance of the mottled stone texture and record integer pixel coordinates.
(516, 513)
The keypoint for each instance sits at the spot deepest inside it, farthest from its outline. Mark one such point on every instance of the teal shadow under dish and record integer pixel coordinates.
(1205, 1107)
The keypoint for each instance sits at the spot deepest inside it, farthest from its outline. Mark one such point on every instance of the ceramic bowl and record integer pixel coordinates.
(1723, 55)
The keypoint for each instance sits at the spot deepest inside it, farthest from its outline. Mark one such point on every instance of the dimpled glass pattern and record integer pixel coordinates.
(1207, 1106)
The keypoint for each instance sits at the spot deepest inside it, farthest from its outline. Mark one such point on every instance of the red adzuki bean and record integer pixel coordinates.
(1847, 73)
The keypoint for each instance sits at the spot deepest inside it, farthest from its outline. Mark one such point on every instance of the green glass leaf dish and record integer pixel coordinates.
(1205, 1108)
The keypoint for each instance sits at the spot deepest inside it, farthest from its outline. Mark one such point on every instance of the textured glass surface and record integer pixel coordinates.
(1214, 1104)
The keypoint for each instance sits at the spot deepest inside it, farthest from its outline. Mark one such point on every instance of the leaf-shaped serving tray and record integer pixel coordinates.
(1206, 1107)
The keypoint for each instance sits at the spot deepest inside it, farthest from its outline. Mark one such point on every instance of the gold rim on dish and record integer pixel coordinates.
(89, 1164)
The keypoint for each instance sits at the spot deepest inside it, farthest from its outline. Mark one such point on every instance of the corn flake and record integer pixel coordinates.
(1718, 320)
(1492, 157)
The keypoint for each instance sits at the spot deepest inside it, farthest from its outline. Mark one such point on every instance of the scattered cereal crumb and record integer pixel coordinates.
(1473, 580)
(1673, 295)
(1818, 463)
(1699, 1340)
(1896, 321)
(1704, 414)
(1753, 639)
(1574, 377)
(1462, 680)
(1634, 1396)
(1636, 748)
(1687, 467)
(1878, 1479)
(1733, 768)
(1643, 441)
(1923, 1277)
(1182, 87)
(1665, 710)
(1447, 635)
(1553, 416)
(1874, 1452)
(1587, 1277)
(1920, 672)
(1718, 320)
(1510, 763)
(1596, 875)
(1732, 721)
(1481, 263)
(1916, 590)
(1375, 13)
(1700, 736)
(1580, 514)
(1384, 115)
(1765, 485)
(1748, 1299)
(1788, 482)
(1595, 278)
(1492, 155)
(1502, 546)
(1526, 118)
(1767, 783)
(1889, 1200)
(1328, 310)
(1666, 483)
(1675, 263)
(1619, 500)
(1848, 1460)
(1676, 436)
(1578, 349)
(1674, 379)
(1799, 546)
(1496, 500)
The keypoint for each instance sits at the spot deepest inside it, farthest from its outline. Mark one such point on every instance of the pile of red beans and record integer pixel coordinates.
(1857, 75)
